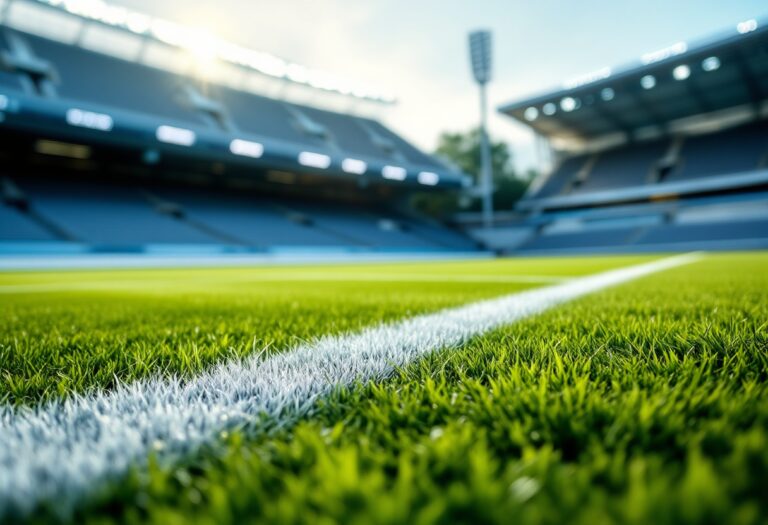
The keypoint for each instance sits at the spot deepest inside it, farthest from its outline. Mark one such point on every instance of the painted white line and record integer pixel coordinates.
(138, 284)
(63, 450)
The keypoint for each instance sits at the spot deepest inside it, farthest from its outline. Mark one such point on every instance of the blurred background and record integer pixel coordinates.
(316, 128)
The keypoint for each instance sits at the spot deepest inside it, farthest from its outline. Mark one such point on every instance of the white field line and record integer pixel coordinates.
(63, 450)
(129, 284)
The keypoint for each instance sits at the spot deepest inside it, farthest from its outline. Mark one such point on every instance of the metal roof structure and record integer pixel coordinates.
(662, 87)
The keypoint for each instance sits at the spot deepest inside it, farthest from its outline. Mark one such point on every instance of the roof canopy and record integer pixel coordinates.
(680, 81)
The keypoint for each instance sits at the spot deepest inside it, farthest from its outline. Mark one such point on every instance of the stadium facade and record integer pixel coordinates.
(103, 153)
(668, 153)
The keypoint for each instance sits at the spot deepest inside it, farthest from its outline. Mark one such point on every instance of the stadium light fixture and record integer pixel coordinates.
(710, 64)
(607, 94)
(480, 59)
(681, 72)
(89, 119)
(569, 104)
(3, 103)
(314, 160)
(174, 135)
(549, 109)
(428, 178)
(648, 82)
(354, 166)
(531, 114)
(394, 173)
(746, 26)
(246, 148)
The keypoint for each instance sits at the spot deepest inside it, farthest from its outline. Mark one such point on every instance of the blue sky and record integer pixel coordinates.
(417, 49)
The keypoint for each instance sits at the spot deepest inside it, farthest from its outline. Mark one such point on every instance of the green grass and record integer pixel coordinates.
(64, 332)
(646, 403)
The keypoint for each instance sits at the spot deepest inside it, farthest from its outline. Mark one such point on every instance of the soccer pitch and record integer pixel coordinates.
(641, 399)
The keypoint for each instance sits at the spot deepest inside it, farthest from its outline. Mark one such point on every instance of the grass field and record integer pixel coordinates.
(642, 403)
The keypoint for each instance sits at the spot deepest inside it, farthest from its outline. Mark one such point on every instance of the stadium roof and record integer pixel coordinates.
(663, 86)
(204, 46)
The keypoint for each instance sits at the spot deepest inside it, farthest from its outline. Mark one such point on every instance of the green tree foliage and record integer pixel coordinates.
(463, 150)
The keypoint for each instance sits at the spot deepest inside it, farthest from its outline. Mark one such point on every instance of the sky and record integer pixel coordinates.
(417, 49)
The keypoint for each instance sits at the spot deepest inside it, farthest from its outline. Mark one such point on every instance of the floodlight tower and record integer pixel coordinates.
(480, 56)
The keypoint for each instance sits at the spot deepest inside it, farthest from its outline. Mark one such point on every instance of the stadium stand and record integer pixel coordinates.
(667, 154)
(740, 149)
(631, 165)
(110, 154)
(562, 178)
(86, 76)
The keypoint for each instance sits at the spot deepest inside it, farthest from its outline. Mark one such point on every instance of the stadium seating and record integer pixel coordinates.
(582, 240)
(731, 151)
(10, 81)
(560, 178)
(123, 216)
(706, 231)
(94, 78)
(108, 215)
(247, 220)
(262, 116)
(17, 226)
(131, 215)
(629, 165)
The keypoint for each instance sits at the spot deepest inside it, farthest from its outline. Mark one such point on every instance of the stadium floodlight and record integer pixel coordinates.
(710, 64)
(174, 135)
(246, 148)
(531, 114)
(428, 178)
(89, 119)
(681, 72)
(3, 102)
(394, 173)
(607, 94)
(746, 26)
(569, 104)
(354, 166)
(648, 82)
(480, 58)
(549, 109)
(314, 160)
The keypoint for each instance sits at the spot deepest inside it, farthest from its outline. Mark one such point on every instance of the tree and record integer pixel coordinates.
(463, 150)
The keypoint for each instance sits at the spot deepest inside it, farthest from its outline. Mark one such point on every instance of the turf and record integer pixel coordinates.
(65, 332)
(646, 403)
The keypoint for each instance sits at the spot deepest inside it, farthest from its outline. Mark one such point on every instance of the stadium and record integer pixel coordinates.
(224, 300)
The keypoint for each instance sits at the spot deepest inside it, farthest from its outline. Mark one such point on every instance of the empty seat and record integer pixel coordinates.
(712, 231)
(730, 151)
(93, 78)
(17, 226)
(357, 225)
(253, 221)
(263, 116)
(107, 215)
(10, 82)
(586, 240)
(557, 182)
(623, 167)
(347, 133)
(408, 151)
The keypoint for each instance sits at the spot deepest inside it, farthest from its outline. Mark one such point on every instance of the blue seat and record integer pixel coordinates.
(730, 151)
(94, 78)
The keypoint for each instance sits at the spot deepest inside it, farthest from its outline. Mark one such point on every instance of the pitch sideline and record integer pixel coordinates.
(60, 451)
